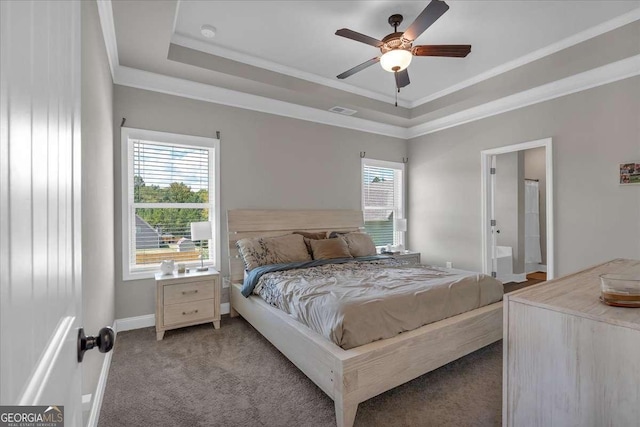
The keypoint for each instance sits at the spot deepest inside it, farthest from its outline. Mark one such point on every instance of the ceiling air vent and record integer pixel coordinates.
(343, 111)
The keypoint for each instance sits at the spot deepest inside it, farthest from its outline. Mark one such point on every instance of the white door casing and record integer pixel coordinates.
(40, 269)
(493, 225)
(488, 200)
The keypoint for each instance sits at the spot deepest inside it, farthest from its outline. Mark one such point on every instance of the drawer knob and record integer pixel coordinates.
(185, 313)
(195, 291)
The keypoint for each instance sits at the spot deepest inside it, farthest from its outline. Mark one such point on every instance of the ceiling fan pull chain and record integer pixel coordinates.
(397, 92)
(397, 48)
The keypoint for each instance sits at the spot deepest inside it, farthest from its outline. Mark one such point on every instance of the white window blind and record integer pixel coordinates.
(170, 185)
(383, 200)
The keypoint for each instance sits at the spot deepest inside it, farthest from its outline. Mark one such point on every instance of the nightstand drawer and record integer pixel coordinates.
(186, 292)
(188, 312)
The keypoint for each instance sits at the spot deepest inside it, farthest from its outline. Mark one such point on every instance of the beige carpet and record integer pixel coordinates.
(199, 376)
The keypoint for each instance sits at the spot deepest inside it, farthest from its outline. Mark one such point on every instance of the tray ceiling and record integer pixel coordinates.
(297, 37)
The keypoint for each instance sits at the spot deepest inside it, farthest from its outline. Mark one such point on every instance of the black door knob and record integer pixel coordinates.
(104, 341)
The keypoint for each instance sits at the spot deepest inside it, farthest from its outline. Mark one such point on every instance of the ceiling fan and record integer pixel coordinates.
(397, 48)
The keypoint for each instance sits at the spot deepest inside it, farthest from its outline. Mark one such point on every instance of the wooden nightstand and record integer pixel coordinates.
(187, 299)
(408, 256)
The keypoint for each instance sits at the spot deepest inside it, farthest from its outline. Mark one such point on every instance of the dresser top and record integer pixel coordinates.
(579, 294)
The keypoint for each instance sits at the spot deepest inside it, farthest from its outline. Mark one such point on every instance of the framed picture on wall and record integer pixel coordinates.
(630, 173)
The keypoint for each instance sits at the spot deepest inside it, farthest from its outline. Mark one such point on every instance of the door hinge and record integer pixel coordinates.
(494, 274)
(493, 222)
(492, 171)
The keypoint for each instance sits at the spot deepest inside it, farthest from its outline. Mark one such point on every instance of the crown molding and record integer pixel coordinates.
(203, 92)
(202, 46)
(590, 33)
(599, 76)
(105, 12)
(605, 74)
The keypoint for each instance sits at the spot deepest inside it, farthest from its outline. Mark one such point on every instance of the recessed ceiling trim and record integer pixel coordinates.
(203, 92)
(599, 76)
(175, 16)
(590, 33)
(202, 46)
(105, 12)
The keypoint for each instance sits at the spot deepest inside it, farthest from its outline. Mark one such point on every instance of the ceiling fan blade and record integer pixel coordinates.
(429, 15)
(354, 35)
(358, 68)
(402, 78)
(452, 50)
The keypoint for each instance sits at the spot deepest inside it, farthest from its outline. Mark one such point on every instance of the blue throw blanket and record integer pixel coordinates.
(254, 275)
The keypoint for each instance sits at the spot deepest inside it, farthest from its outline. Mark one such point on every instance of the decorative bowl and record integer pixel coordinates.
(620, 290)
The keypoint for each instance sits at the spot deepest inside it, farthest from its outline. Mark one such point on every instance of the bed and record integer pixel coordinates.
(357, 374)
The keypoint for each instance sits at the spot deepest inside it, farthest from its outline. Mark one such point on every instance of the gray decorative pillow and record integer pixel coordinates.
(360, 244)
(272, 250)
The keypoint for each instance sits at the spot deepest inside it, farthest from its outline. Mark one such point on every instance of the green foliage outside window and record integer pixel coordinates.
(175, 221)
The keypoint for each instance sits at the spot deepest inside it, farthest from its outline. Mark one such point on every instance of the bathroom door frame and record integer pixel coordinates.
(486, 156)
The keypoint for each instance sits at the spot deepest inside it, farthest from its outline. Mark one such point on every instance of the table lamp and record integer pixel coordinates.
(400, 226)
(201, 231)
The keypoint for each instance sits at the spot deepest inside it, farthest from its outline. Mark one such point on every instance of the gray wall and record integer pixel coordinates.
(534, 168)
(97, 190)
(509, 205)
(595, 218)
(267, 161)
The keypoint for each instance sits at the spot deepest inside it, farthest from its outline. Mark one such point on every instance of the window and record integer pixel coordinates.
(168, 182)
(383, 200)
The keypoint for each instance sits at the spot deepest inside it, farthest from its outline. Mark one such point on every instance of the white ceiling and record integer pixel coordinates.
(297, 37)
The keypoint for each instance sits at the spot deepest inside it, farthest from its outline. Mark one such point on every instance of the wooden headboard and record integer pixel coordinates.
(243, 223)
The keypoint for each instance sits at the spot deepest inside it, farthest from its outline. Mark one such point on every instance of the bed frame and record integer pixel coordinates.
(349, 376)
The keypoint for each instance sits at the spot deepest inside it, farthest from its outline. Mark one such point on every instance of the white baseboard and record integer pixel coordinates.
(138, 322)
(96, 402)
(533, 268)
(148, 320)
(517, 278)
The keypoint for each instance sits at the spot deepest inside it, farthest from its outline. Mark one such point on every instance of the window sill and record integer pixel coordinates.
(150, 273)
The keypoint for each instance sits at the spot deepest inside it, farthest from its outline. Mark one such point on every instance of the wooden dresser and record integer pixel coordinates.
(570, 360)
(187, 299)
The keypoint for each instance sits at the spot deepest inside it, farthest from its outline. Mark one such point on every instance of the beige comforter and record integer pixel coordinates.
(357, 303)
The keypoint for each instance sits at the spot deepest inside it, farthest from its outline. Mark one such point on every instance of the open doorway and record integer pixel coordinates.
(517, 212)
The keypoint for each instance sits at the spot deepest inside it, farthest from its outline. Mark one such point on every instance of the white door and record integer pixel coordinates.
(40, 271)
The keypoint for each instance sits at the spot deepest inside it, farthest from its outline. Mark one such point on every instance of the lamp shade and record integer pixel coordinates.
(400, 224)
(201, 230)
(396, 58)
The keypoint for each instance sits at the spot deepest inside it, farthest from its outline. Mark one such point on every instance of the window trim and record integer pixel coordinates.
(127, 135)
(391, 165)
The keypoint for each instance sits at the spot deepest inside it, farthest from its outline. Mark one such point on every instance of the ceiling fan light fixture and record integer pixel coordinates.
(396, 60)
